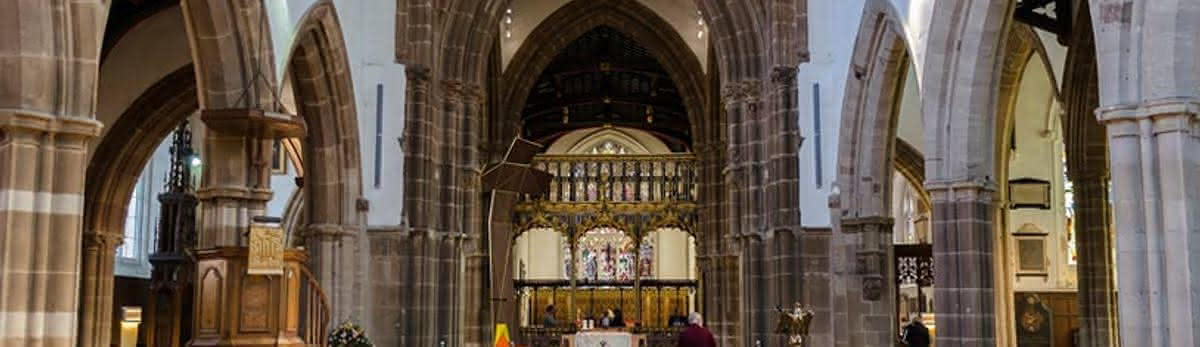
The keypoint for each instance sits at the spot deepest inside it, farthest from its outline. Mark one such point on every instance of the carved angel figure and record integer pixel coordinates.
(794, 324)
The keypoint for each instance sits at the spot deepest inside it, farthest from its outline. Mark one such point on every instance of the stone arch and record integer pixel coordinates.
(332, 186)
(869, 149)
(960, 77)
(737, 38)
(961, 102)
(231, 47)
(319, 68)
(120, 156)
(870, 113)
(576, 18)
(112, 174)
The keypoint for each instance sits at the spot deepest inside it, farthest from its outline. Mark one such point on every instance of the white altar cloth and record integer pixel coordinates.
(603, 339)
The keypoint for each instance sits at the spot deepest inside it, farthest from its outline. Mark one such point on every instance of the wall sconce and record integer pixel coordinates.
(131, 318)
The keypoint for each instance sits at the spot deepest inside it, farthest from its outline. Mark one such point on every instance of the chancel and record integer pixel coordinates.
(466, 173)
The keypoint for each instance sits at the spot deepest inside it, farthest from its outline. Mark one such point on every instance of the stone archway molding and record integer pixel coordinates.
(332, 185)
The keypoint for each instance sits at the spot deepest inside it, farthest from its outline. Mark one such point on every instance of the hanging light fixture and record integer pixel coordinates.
(566, 115)
(649, 114)
(508, 21)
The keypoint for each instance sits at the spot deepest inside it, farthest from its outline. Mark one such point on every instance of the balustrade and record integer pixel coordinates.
(620, 178)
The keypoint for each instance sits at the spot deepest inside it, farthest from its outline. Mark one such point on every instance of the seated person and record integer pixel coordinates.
(548, 319)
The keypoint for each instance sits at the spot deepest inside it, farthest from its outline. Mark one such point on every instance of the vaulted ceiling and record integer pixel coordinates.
(606, 78)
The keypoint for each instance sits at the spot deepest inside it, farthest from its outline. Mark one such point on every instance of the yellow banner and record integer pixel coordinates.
(266, 250)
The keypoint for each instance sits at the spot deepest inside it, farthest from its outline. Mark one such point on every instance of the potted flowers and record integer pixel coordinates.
(349, 335)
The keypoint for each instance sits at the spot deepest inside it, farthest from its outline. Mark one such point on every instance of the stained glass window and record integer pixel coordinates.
(609, 147)
(607, 254)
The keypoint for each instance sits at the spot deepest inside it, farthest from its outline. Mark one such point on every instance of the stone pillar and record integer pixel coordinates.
(866, 289)
(721, 297)
(1087, 166)
(1094, 241)
(95, 311)
(41, 208)
(1154, 153)
(964, 256)
(330, 247)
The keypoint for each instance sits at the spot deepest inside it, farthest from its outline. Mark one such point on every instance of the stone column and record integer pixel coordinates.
(95, 311)
(1087, 166)
(721, 297)
(41, 208)
(1154, 153)
(1094, 241)
(964, 256)
(867, 289)
(331, 257)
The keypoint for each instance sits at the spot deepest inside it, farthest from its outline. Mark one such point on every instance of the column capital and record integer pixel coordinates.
(102, 240)
(18, 121)
(325, 232)
(960, 190)
(458, 90)
(856, 224)
(1148, 109)
(784, 75)
(739, 91)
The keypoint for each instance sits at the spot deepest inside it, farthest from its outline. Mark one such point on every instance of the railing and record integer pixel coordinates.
(620, 178)
(545, 337)
(314, 309)
(552, 337)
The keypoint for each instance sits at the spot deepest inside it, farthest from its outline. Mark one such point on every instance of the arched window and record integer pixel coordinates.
(609, 147)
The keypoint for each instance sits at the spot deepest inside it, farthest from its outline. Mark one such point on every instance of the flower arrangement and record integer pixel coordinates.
(349, 335)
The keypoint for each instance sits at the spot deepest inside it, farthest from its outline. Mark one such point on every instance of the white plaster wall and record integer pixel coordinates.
(542, 254)
(368, 28)
(832, 27)
(672, 254)
(146, 53)
(1039, 155)
(282, 187)
(911, 125)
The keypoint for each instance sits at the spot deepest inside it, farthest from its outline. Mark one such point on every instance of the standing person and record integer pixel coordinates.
(548, 319)
(915, 333)
(696, 335)
(618, 319)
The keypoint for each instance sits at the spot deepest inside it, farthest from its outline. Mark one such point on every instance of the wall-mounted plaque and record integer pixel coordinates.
(1029, 193)
(1031, 255)
(266, 249)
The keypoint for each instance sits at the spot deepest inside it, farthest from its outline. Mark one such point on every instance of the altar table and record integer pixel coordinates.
(604, 338)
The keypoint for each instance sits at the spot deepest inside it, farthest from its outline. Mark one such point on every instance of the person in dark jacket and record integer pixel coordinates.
(696, 335)
(618, 319)
(915, 333)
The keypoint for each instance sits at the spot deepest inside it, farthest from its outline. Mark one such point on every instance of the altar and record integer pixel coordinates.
(603, 338)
